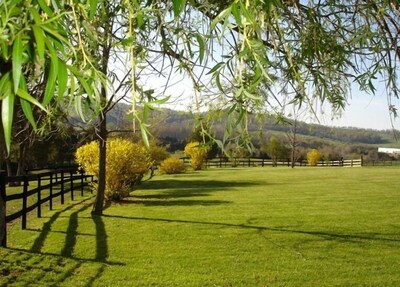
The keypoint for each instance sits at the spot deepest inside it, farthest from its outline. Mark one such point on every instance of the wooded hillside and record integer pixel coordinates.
(174, 127)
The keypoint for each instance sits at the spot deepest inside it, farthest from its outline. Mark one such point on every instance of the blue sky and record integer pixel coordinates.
(366, 111)
(363, 110)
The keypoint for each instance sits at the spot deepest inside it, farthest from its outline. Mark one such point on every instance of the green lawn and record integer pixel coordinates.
(16, 204)
(221, 227)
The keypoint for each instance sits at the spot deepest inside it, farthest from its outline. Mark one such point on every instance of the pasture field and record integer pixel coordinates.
(221, 227)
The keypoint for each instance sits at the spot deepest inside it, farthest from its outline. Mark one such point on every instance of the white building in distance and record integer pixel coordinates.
(391, 151)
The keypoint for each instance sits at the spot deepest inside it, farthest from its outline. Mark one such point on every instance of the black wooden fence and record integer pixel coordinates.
(56, 183)
(252, 162)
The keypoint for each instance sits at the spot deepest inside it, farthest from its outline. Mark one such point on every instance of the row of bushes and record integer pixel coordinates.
(127, 163)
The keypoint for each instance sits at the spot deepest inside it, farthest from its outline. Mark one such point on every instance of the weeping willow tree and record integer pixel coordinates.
(240, 56)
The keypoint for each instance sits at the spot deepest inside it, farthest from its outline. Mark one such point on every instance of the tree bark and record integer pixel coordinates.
(101, 184)
(3, 224)
(105, 57)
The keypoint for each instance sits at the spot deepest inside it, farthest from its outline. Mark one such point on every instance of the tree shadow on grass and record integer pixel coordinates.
(101, 248)
(323, 234)
(196, 186)
(168, 192)
(143, 200)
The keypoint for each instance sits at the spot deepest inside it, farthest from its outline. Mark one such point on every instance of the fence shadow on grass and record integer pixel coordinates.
(45, 231)
(72, 232)
(67, 262)
(325, 235)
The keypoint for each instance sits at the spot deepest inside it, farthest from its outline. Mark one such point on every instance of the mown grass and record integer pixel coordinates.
(222, 227)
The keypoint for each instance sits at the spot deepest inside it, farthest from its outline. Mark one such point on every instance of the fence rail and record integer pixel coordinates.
(252, 162)
(381, 163)
(56, 182)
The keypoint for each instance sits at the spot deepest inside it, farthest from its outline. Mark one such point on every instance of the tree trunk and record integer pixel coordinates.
(22, 158)
(105, 57)
(293, 155)
(294, 141)
(3, 224)
(101, 185)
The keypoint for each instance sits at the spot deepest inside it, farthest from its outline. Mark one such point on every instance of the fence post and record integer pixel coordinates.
(81, 172)
(62, 186)
(39, 197)
(71, 180)
(51, 192)
(3, 223)
(24, 202)
(91, 180)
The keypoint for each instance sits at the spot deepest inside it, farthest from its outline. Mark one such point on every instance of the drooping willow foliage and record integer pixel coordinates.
(240, 56)
(253, 50)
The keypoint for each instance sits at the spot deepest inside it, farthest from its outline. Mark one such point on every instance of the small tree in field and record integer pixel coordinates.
(313, 157)
(197, 154)
(276, 150)
(126, 162)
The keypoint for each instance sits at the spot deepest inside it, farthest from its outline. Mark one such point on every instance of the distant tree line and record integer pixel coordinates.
(58, 147)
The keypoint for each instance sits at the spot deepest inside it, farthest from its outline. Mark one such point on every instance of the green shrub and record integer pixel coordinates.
(172, 165)
(126, 164)
(197, 154)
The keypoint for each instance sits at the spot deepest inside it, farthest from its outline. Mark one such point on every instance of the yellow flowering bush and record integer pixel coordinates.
(197, 154)
(313, 157)
(126, 164)
(172, 165)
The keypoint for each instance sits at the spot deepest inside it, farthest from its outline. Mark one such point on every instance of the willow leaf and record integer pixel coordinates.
(93, 8)
(7, 114)
(78, 106)
(216, 67)
(27, 97)
(40, 43)
(5, 85)
(158, 101)
(144, 132)
(178, 6)
(202, 47)
(17, 61)
(218, 81)
(51, 84)
(4, 50)
(45, 8)
(62, 79)
(221, 17)
(52, 74)
(27, 109)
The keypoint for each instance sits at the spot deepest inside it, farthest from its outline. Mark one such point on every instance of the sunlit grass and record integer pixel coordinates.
(15, 205)
(222, 227)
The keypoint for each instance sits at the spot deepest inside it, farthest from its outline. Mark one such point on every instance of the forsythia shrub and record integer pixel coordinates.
(313, 157)
(158, 153)
(172, 165)
(126, 164)
(197, 154)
